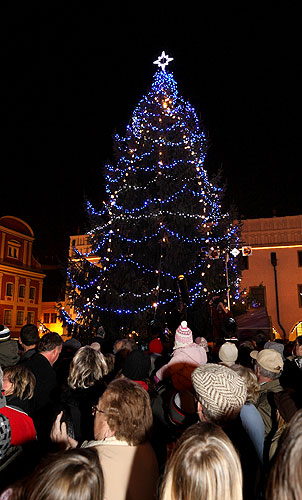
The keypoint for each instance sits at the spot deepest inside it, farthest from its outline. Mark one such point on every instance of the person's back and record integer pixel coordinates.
(46, 390)
(130, 472)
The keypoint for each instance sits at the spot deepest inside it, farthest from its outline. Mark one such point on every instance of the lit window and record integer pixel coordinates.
(9, 289)
(7, 317)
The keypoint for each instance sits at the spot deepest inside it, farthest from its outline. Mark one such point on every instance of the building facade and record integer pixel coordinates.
(273, 276)
(21, 278)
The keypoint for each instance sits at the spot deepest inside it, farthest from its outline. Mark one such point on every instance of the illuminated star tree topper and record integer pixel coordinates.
(163, 60)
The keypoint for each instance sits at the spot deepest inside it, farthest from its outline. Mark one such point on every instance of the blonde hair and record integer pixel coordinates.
(251, 381)
(87, 367)
(285, 478)
(22, 380)
(72, 475)
(203, 466)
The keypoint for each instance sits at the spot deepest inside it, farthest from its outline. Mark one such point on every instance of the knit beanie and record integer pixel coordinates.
(183, 336)
(220, 390)
(155, 346)
(202, 342)
(4, 333)
(5, 435)
(228, 353)
(137, 365)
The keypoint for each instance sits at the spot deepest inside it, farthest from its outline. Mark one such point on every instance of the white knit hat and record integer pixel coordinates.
(183, 336)
(4, 333)
(228, 353)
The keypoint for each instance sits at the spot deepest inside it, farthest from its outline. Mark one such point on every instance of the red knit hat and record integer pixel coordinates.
(156, 346)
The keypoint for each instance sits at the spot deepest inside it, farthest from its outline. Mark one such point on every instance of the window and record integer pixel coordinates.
(22, 291)
(257, 294)
(13, 249)
(46, 317)
(20, 318)
(9, 289)
(7, 317)
(30, 317)
(53, 318)
(299, 258)
(300, 295)
(32, 292)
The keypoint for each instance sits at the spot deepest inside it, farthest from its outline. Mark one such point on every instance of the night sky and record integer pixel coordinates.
(71, 77)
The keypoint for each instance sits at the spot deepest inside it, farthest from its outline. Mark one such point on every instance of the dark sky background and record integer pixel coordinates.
(72, 76)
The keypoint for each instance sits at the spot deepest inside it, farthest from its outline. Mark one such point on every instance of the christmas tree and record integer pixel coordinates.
(162, 240)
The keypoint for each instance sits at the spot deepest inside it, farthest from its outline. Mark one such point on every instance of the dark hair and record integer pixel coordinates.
(29, 334)
(50, 341)
(299, 340)
(75, 474)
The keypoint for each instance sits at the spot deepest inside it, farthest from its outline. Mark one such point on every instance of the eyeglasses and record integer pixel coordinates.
(95, 410)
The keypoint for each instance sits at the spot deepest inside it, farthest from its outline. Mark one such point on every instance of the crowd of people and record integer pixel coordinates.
(178, 418)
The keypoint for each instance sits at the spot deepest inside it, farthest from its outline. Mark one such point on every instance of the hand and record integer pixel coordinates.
(59, 434)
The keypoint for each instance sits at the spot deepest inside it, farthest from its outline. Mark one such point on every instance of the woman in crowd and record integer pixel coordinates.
(250, 417)
(204, 465)
(285, 478)
(18, 387)
(84, 387)
(122, 425)
(71, 475)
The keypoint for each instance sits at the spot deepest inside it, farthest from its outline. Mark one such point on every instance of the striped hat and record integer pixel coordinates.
(220, 390)
(4, 333)
(5, 435)
(183, 335)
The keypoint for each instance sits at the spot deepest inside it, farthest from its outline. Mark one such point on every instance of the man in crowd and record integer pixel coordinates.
(268, 368)
(220, 394)
(29, 338)
(46, 390)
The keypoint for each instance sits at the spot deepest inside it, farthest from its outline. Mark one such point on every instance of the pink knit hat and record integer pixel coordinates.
(183, 336)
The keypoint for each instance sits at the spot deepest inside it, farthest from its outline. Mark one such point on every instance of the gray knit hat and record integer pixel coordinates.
(220, 390)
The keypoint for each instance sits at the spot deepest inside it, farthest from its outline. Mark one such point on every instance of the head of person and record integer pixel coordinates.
(285, 478)
(269, 364)
(183, 336)
(72, 475)
(87, 367)
(137, 365)
(19, 381)
(4, 333)
(220, 393)
(251, 381)
(228, 353)
(29, 335)
(204, 465)
(123, 411)
(5, 435)
(297, 347)
(50, 345)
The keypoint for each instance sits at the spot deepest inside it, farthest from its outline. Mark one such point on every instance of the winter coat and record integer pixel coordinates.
(183, 362)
